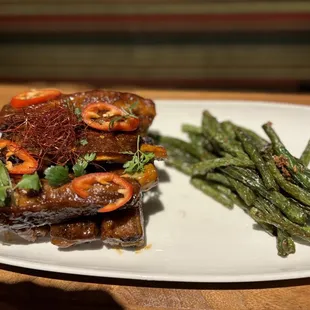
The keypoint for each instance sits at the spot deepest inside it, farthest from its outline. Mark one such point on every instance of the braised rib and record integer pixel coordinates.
(56, 132)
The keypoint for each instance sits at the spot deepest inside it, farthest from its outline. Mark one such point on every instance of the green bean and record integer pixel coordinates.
(179, 164)
(229, 129)
(259, 162)
(201, 168)
(237, 201)
(251, 179)
(191, 129)
(207, 189)
(183, 145)
(219, 178)
(195, 138)
(292, 189)
(258, 140)
(211, 128)
(223, 189)
(207, 145)
(305, 156)
(285, 243)
(246, 194)
(293, 229)
(296, 169)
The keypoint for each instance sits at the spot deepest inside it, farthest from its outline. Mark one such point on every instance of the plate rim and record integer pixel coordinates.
(158, 277)
(174, 277)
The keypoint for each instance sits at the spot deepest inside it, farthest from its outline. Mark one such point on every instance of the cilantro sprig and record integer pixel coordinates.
(82, 163)
(127, 113)
(138, 161)
(29, 181)
(59, 175)
(5, 184)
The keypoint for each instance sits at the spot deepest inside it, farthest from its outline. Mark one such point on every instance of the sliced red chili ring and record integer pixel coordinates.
(112, 118)
(29, 164)
(31, 97)
(82, 184)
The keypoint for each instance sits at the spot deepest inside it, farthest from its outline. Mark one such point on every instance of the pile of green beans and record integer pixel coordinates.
(235, 166)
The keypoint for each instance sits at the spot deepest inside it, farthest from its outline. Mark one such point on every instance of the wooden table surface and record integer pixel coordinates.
(25, 289)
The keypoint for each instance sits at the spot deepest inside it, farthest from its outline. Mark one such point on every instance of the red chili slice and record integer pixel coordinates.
(112, 118)
(29, 164)
(31, 97)
(82, 184)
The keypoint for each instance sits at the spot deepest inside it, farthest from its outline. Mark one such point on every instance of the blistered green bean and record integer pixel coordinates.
(258, 160)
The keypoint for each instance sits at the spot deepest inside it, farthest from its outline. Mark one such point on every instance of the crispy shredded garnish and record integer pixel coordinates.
(51, 133)
(282, 162)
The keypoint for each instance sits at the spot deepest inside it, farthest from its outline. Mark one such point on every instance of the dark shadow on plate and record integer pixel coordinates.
(301, 241)
(28, 295)
(152, 204)
(259, 228)
(163, 176)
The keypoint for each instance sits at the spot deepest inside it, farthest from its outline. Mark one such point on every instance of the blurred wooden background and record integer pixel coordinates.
(200, 44)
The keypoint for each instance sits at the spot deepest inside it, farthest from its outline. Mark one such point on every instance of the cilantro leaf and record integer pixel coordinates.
(89, 157)
(29, 181)
(78, 113)
(57, 175)
(138, 161)
(4, 175)
(83, 142)
(3, 195)
(82, 163)
(5, 184)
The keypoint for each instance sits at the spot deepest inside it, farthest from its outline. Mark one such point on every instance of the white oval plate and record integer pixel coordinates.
(190, 237)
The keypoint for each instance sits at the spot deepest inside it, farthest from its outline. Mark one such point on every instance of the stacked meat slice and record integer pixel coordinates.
(68, 214)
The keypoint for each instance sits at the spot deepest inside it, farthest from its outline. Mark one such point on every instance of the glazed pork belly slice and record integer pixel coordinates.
(56, 205)
(145, 108)
(124, 228)
(75, 232)
(121, 228)
(22, 224)
(112, 146)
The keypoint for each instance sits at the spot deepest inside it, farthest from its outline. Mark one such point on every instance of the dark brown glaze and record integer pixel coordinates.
(124, 228)
(75, 232)
(110, 144)
(55, 205)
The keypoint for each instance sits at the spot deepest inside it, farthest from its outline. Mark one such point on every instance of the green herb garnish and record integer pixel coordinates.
(5, 184)
(57, 175)
(82, 163)
(78, 113)
(83, 142)
(29, 181)
(138, 161)
(128, 113)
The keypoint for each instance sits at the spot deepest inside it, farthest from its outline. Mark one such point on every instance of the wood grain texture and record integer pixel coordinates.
(24, 289)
